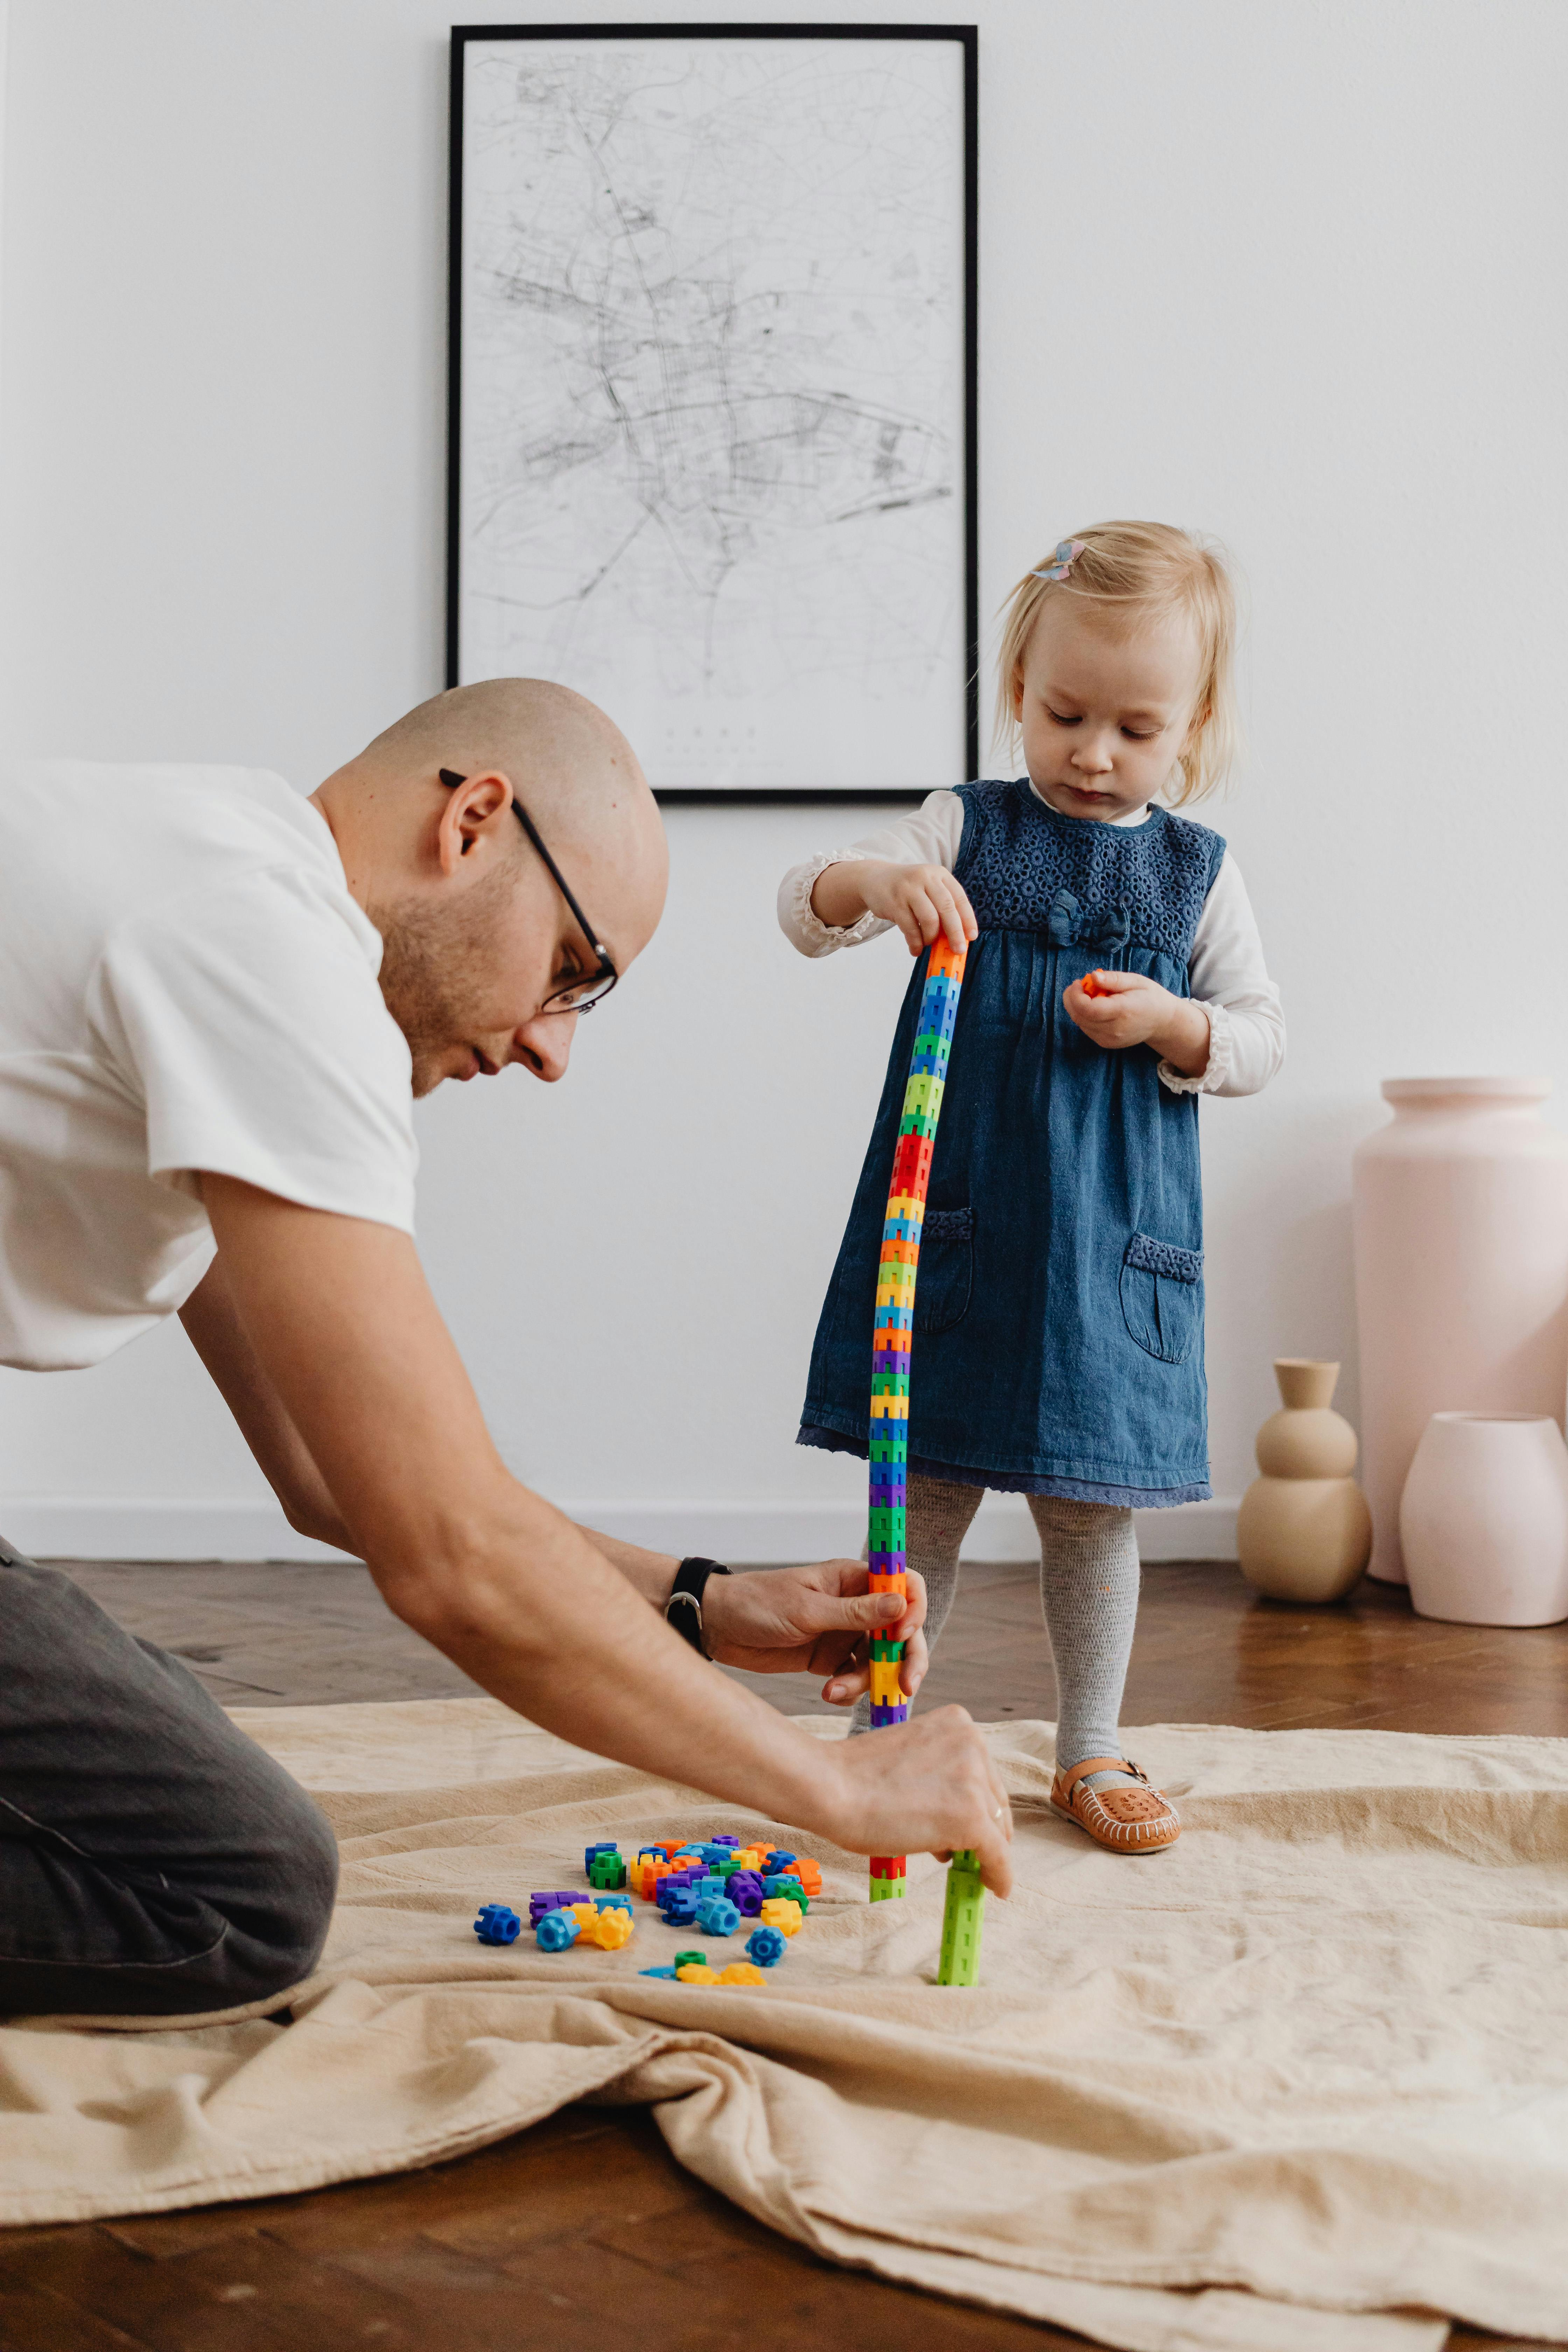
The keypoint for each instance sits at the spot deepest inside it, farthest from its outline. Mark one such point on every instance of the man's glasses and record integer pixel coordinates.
(577, 996)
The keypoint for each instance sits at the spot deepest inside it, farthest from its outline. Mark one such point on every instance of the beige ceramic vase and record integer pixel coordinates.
(1461, 1272)
(1304, 1532)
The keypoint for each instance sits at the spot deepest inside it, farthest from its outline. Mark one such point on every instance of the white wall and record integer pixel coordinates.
(1294, 275)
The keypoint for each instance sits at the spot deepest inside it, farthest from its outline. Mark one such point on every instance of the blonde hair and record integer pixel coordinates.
(1134, 572)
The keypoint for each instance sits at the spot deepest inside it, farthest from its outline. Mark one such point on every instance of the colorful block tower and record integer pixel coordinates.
(894, 1333)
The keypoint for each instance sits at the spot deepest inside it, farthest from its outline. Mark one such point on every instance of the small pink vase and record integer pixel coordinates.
(1484, 1520)
(1461, 1272)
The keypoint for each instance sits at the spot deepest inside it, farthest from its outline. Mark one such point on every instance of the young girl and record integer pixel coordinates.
(1058, 1312)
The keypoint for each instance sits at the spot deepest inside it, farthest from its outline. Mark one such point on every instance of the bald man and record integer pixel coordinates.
(218, 1001)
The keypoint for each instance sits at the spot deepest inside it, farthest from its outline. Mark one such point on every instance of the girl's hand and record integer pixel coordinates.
(924, 901)
(1129, 1009)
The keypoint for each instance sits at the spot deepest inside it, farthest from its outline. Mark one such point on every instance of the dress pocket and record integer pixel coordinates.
(1162, 1297)
(946, 1275)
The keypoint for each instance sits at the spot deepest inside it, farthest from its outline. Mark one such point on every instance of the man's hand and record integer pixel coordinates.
(1129, 1009)
(815, 1620)
(926, 1787)
(924, 901)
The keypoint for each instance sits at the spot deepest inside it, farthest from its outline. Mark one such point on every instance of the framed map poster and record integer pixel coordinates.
(712, 454)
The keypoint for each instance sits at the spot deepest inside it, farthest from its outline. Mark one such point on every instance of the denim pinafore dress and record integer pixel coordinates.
(1058, 1313)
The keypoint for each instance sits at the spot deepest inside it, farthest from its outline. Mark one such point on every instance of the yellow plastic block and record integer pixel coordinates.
(893, 1408)
(693, 1974)
(749, 1857)
(779, 1912)
(742, 1972)
(584, 1913)
(886, 1689)
(609, 1930)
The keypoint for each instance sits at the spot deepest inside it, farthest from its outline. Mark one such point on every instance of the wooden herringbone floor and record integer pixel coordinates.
(584, 2234)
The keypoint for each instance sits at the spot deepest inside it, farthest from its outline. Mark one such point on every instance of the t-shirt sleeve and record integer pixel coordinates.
(248, 1023)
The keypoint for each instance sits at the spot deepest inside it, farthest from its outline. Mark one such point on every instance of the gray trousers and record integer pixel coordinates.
(152, 1860)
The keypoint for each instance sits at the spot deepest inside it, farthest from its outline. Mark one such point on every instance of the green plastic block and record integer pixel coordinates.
(697, 1960)
(885, 1654)
(890, 1385)
(962, 1917)
(886, 1890)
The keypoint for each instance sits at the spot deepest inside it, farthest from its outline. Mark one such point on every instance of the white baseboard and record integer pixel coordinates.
(745, 1532)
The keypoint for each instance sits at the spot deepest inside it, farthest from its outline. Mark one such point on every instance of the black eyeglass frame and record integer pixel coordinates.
(605, 969)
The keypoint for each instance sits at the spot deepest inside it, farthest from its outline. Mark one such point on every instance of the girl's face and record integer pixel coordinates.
(1105, 715)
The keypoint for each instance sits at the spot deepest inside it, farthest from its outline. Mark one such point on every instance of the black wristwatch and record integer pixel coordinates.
(683, 1609)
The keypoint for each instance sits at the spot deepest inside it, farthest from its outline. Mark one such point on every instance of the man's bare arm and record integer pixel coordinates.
(219, 1338)
(344, 1328)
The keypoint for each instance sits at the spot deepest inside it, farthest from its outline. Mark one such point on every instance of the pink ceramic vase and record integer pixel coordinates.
(1484, 1521)
(1461, 1272)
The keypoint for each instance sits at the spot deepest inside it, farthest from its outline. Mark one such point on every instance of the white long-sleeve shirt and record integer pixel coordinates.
(1226, 973)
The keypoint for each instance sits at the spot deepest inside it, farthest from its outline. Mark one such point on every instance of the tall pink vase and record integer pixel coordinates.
(1460, 1216)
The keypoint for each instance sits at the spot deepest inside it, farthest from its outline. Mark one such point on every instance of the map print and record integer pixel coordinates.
(711, 446)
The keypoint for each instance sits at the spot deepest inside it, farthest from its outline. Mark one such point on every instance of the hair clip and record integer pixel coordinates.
(1062, 561)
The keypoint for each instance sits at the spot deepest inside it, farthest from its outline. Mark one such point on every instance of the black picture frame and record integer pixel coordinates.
(966, 37)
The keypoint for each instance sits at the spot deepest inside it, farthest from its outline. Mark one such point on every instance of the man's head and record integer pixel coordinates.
(478, 934)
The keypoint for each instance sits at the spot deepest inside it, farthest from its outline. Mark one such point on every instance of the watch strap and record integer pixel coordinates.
(683, 1609)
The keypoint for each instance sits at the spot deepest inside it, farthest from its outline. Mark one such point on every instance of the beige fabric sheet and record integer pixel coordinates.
(1299, 2084)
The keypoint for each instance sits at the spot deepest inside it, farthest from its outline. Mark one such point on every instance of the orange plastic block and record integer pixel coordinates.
(809, 1874)
(1091, 987)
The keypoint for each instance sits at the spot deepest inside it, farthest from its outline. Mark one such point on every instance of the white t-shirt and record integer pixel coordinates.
(186, 984)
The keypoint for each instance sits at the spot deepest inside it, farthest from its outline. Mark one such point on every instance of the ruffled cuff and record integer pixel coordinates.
(805, 926)
(1216, 1069)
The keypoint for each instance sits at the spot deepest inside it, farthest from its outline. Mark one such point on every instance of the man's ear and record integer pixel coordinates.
(476, 808)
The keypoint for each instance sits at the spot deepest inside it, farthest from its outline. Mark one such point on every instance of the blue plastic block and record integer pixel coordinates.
(775, 1859)
(717, 1915)
(605, 1845)
(613, 1902)
(724, 1838)
(714, 1851)
(497, 1924)
(657, 1972)
(766, 1946)
(680, 1906)
(786, 1890)
(556, 1930)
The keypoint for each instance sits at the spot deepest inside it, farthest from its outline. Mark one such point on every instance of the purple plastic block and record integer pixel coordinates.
(746, 1892)
(882, 1716)
(538, 1904)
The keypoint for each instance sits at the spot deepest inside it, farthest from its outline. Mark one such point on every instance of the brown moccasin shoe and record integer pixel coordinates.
(1127, 1821)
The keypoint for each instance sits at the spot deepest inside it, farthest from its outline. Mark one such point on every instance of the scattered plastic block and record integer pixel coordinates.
(746, 1892)
(785, 1888)
(717, 1915)
(606, 1869)
(657, 1972)
(679, 1905)
(497, 1924)
(697, 1960)
(808, 1873)
(693, 1974)
(616, 1903)
(783, 1914)
(775, 1858)
(964, 1914)
(556, 1930)
(741, 1972)
(538, 1904)
(766, 1946)
(609, 1930)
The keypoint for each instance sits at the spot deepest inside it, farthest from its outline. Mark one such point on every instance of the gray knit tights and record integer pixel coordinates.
(1089, 1590)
